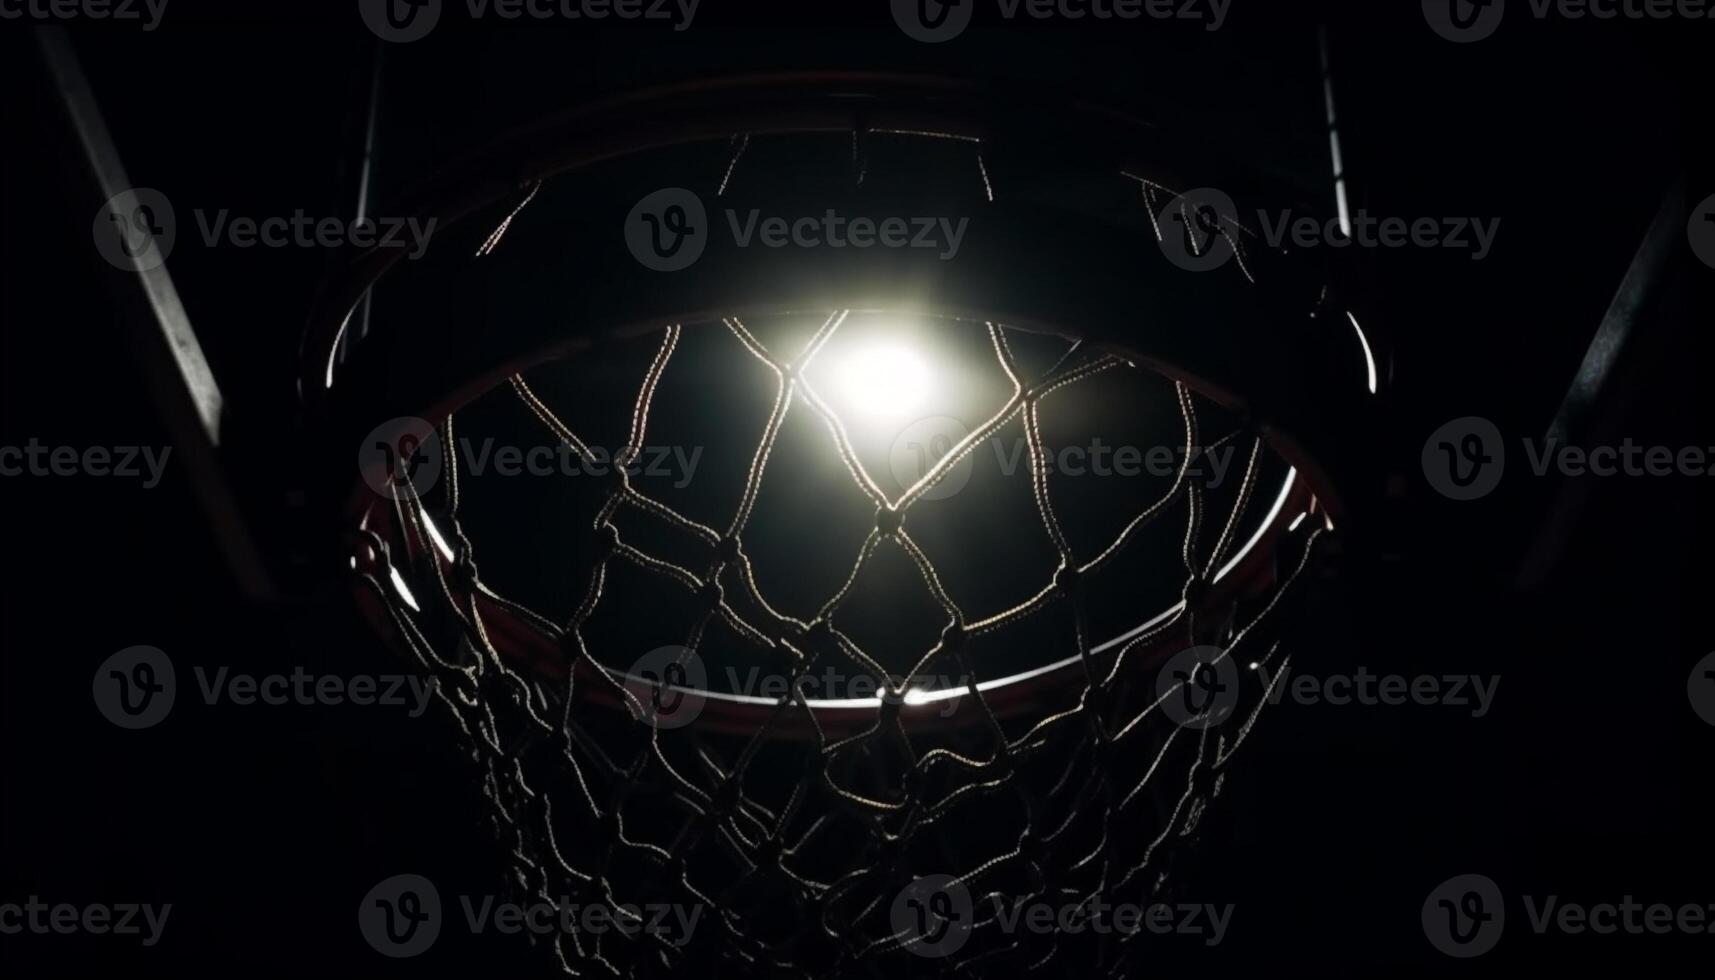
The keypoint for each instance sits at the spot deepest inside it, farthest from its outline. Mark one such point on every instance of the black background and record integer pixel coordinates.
(264, 826)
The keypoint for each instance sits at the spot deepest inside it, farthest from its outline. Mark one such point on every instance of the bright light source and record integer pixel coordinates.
(882, 381)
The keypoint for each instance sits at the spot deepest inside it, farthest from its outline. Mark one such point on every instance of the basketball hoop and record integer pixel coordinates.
(806, 819)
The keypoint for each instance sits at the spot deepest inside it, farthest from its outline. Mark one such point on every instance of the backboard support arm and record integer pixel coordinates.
(178, 377)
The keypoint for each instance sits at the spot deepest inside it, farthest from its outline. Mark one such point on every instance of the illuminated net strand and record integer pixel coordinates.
(524, 817)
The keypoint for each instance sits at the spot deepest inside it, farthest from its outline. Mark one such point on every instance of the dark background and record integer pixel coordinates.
(264, 826)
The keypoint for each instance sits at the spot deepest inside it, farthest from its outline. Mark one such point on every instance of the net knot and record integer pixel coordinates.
(1032, 848)
(1094, 707)
(464, 569)
(1102, 750)
(709, 593)
(887, 520)
(891, 861)
(725, 799)
(728, 549)
(1066, 578)
(891, 699)
(953, 637)
(606, 541)
(1203, 779)
(911, 782)
(769, 851)
(817, 636)
(1094, 701)
(1197, 590)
